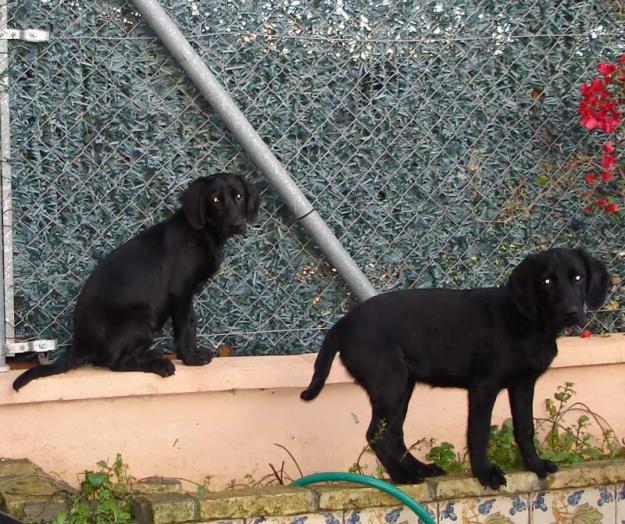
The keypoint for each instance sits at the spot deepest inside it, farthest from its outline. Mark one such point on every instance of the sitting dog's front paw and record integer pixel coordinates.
(491, 477)
(165, 368)
(543, 467)
(200, 357)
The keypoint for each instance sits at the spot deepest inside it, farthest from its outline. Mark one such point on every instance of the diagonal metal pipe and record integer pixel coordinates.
(223, 105)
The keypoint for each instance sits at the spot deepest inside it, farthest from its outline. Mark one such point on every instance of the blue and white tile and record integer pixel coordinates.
(335, 517)
(223, 521)
(620, 504)
(485, 510)
(592, 505)
(396, 515)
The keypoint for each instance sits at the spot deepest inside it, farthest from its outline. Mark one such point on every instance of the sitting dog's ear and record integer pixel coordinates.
(251, 201)
(194, 203)
(597, 279)
(523, 287)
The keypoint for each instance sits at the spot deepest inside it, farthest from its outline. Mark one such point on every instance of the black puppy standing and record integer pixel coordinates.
(153, 277)
(483, 340)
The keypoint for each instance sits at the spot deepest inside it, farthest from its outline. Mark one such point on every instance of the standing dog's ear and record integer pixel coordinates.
(194, 203)
(597, 279)
(251, 201)
(523, 287)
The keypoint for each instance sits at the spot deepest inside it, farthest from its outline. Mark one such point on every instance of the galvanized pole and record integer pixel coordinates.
(166, 29)
(6, 239)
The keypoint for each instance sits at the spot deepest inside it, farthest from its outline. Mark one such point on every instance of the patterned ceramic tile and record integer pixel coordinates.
(310, 518)
(398, 515)
(224, 521)
(486, 510)
(620, 504)
(594, 505)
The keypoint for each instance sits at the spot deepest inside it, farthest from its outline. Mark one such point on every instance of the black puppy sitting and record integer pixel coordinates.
(484, 340)
(153, 277)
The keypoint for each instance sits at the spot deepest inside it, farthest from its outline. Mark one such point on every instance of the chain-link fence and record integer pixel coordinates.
(439, 140)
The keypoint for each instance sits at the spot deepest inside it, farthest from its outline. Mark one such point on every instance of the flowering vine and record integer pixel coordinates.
(601, 108)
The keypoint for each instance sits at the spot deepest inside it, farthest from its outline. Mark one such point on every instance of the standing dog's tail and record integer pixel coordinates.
(63, 364)
(326, 355)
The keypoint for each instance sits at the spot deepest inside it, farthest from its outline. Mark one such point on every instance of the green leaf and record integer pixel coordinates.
(61, 518)
(96, 479)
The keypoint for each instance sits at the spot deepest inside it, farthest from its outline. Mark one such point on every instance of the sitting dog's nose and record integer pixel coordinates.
(573, 315)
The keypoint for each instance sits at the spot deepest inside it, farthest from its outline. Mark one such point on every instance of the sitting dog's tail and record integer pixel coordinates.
(326, 355)
(63, 364)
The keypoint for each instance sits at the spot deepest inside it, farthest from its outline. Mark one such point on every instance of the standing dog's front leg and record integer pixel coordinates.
(481, 401)
(185, 325)
(521, 397)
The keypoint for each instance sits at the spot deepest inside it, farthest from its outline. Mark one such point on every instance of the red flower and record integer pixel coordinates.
(608, 162)
(597, 108)
(612, 208)
(606, 69)
(590, 177)
(622, 59)
(606, 175)
(586, 333)
(602, 202)
(608, 147)
(588, 210)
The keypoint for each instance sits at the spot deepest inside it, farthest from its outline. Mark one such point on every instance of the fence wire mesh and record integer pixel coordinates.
(439, 140)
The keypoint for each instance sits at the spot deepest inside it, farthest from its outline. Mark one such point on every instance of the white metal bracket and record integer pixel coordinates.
(28, 35)
(38, 346)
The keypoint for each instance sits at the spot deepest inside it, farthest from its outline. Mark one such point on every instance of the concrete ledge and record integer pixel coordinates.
(249, 373)
(262, 502)
(27, 493)
(165, 508)
(345, 496)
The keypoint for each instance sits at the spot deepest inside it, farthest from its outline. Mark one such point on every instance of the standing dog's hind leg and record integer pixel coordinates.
(386, 436)
(429, 470)
(481, 402)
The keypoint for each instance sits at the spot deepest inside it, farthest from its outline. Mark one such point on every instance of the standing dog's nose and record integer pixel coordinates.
(571, 311)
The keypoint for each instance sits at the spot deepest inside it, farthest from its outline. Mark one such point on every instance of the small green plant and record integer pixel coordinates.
(204, 486)
(570, 443)
(103, 498)
(276, 477)
(445, 456)
(556, 439)
(502, 449)
(358, 467)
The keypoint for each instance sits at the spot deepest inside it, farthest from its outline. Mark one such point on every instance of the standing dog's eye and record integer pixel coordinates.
(578, 278)
(547, 281)
(216, 200)
(238, 196)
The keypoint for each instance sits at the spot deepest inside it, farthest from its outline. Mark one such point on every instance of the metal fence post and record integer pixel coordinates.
(6, 234)
(221, 102)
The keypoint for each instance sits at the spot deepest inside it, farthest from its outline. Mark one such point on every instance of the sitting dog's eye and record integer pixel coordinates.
(238, 196)
(578, 278)
(547, 281)
(216, 200)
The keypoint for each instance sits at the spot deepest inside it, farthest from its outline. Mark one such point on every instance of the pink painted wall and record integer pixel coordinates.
(223, 419)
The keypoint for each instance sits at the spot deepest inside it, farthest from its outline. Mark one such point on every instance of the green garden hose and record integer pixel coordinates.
(369, 481)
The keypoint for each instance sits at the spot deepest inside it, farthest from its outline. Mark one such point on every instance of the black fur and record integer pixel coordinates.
(153, 277)
(483, 340)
